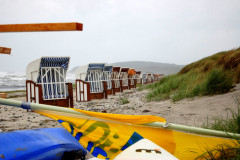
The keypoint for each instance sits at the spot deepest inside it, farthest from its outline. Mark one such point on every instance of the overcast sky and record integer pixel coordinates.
(167, 31)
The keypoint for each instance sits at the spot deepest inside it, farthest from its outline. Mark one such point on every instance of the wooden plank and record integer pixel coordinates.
(3, 95)
(5, 50)
(41, 27)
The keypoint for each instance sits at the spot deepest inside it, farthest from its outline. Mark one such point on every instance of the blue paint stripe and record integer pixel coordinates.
(60, 121)
(124, 147)
(71, 128)
(26, 105)
(78, 135)
(130, 142)
(97, 151)
(90, 145)
(133, 139)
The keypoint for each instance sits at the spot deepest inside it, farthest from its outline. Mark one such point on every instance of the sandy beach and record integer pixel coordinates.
(191, 112)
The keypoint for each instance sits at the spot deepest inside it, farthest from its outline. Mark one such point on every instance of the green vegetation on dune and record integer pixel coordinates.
(230, 124)
(211, 75)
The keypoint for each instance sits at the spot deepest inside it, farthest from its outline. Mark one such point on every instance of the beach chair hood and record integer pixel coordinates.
(81, 72)
(33, 69)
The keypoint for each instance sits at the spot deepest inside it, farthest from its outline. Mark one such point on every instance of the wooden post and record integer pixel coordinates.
(113, 87)
(70, 96)
(26, 92)
(105, 89)
(40, 94)
(121, 87)
(135, 83)
(88, 91)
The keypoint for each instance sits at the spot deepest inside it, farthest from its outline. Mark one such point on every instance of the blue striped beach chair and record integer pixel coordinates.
(124, 78)
(46, 82)
(107, 72)
(115, 76)
(144, 77)
(138, 77)
(89, 84)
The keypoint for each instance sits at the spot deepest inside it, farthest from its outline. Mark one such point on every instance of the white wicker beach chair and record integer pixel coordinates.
(46, 81)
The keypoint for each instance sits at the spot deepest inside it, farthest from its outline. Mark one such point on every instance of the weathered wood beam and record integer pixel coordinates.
(5, 50)
(41, 27)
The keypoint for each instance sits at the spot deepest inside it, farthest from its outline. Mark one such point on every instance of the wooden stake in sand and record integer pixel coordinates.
(176, 127)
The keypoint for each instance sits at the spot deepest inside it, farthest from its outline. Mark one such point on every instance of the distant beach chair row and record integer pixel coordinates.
(46, 81)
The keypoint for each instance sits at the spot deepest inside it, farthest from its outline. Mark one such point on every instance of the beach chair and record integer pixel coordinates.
(161, 76)
(123, 76)
(46, 82)
(149, 78)
(89, 84)
(131, 78)
(116, 80)
(107, 73)
(138, 77)
(155, 77)
(144, 78)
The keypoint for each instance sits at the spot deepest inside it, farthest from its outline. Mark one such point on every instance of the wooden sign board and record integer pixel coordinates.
(5, 50)
(41, 27)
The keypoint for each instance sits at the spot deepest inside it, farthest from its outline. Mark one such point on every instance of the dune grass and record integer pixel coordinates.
(222, 152)
(209, 76)
(123, 100)
(191, 84)
(229, 124)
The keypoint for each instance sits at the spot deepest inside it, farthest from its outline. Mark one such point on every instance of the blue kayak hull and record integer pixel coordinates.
(46, 143)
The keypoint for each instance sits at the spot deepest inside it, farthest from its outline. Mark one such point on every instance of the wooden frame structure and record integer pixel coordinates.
(138, 77)
(107, 73)
(123, 76)
(116, 85)
(89, 84)
(46, 82)
(131, 78)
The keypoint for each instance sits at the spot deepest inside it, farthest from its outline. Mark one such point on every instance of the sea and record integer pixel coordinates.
(11, 81)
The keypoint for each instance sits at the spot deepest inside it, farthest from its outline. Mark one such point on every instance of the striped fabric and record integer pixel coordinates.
(95, 66)
(94, 78)
(144, 78)
(108, 68)
(52, 75)
(107, 71)
(55, 62)
(52, 62)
